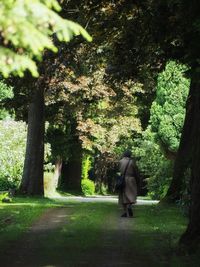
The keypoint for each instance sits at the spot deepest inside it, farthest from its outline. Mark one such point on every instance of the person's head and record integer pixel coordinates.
(127, 154)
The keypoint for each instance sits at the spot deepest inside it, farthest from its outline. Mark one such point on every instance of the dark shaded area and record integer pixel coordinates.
(114, 242)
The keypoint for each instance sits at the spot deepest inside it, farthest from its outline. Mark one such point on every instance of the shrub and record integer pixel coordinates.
(12, 151)
(6, 92)
(4, 197)
(88, 187)
(86, 166)
(153, 165)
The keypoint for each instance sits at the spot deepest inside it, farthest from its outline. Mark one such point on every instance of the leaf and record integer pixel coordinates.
(28, 26)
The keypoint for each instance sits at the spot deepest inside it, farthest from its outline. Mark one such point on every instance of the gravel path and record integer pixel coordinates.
(113, 199)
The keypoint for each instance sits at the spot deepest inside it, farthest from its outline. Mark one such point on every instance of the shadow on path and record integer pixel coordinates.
(53, 242)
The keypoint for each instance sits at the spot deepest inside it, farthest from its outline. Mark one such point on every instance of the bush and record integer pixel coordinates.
(86, 166)
(6, 92)
(12, 151)
(153, 165)
(88, 187)
(5, 198)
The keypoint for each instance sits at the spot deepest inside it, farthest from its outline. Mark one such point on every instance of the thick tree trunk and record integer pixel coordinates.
(192, 235)
(183, 157)
(72, 169)
(32, 179)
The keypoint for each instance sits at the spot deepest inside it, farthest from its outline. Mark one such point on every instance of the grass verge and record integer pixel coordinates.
(17, 216)
(150, 237)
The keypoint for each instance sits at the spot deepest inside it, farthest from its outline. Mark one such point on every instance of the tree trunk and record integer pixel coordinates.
(57, 171)
(32, 179)
(183, 157)
(191, 237)
(72, 169)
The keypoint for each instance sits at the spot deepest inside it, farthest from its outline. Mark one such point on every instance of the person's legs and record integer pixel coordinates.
(125, 207)
(130, 210)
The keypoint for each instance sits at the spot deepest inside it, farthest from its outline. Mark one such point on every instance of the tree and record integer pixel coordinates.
(23, 40)
(168, 109)
(32, 179)
(95, 62)
(161, 138)
(179, 39)
(147, 34)
(26, 29)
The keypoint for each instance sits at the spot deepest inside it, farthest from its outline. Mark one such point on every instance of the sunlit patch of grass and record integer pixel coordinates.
(78, 237)
(153, 233)
(17, 216)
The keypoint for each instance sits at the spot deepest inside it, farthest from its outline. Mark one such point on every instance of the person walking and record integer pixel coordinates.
(128, 195)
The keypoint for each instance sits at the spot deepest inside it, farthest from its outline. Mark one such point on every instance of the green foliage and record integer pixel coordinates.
(168, 109)
(26, 30)
(103, 190)
(12, 148)
(88, 187)
(4, 114)
(161, 138)
(153, 165)
(86, 166)
(5, 93)
(59, 138)
(4, 196)
(20, 216)
(12, 152)
(48, 166)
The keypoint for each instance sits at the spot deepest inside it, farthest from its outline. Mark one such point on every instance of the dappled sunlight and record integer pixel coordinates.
(81, 122)
(25, 202)
(69, 235)
(50, 185)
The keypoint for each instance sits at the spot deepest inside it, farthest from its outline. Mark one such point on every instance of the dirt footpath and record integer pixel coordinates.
(23, 252)
(44, 245)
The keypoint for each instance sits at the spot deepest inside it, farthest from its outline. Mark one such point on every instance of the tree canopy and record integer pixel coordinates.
(26, 30)
(122, 91)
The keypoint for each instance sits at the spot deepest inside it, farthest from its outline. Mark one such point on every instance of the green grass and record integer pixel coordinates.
(151, 238)
(17, 216)
(78, 237)
(157, 230)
